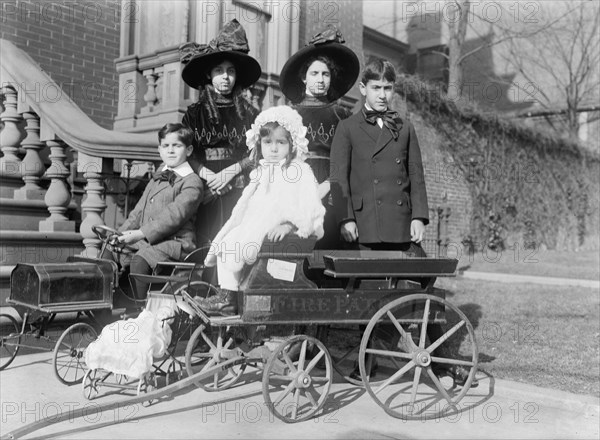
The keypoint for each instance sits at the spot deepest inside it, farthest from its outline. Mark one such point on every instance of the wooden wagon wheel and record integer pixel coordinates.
(10, 337)
(295, 390)
(206, 350)
(422, 395)
(343, 344)
(68, 361)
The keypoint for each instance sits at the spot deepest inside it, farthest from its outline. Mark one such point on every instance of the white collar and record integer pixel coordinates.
(182, 170)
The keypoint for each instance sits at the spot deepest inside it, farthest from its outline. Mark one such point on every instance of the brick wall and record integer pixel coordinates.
(76, 43)
(344, 14)
(445, 185)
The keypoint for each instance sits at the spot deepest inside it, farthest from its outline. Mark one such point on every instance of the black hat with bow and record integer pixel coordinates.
(232, 45)
(328, 43)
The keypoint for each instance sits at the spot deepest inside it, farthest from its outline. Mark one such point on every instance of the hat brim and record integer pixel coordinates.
(343, 57)
(196, 73)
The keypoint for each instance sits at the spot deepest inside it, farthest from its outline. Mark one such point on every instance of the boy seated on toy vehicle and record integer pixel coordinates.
(161, 226)
(282, 198)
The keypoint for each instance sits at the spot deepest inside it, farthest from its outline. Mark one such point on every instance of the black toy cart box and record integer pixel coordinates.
(61, 287)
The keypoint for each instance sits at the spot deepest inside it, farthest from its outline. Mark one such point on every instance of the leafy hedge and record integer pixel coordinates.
(524, 183)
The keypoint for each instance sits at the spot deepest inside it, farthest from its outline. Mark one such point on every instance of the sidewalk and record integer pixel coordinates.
(513, 278)
(496, 409)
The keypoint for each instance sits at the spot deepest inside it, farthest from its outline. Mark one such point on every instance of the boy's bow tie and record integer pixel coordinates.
(390, 119)
(166, 176)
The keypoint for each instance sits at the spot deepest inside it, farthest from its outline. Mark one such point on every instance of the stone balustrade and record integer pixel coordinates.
(48, 147)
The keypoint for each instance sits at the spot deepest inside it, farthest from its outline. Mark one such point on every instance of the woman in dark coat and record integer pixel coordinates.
(313, 79)
(221, 71)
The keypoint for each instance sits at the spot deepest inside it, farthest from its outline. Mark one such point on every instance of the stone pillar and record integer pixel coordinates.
(94, 204)
(10, 164)
(58, 195)
(32, 166)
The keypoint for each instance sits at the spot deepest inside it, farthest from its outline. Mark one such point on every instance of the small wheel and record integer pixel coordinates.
(68, 360)
(410, 321)
(204, 351)
(147, 384)
(91, 384)
(10, 337)
(295, 390)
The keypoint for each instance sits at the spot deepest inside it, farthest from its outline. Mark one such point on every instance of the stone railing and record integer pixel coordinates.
(36, 128)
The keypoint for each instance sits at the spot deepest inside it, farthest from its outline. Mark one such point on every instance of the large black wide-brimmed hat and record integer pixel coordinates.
(231, 44)
(328, 43)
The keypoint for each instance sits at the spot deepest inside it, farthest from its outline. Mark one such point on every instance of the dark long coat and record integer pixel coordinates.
(377, 181)
(166, 215)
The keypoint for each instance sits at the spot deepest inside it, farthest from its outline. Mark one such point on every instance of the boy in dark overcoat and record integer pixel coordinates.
(379, 192)
(161, 227)
(378, 184)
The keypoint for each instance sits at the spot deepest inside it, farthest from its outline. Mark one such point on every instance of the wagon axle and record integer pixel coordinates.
(422, 358)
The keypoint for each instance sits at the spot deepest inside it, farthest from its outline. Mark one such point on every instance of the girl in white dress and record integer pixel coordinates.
(282, 198)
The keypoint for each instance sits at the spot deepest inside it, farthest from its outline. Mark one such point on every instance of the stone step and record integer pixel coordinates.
(22, 215)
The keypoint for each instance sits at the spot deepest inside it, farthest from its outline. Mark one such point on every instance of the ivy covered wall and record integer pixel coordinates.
(505, 183)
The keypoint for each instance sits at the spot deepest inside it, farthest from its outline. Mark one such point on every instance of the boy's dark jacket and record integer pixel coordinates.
(377, 181)
(166, 215)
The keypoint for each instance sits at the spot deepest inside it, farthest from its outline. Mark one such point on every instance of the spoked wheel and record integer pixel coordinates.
(343, 344)
(10, 337)
(91, 381)
(68, 361)
(146, 385)
(206, 350)
(295, 390)
(413, 390)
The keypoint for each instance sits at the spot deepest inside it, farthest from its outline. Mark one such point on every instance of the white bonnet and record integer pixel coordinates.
(286, 117)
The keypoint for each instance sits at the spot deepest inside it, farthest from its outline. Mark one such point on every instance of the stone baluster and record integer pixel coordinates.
(32, 166)
(150, 97)
(94, 203)
(10, 164)
(58, 195)
(159, 85)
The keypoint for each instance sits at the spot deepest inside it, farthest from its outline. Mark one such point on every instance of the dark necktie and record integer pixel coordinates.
(166, 176)
(390, 119)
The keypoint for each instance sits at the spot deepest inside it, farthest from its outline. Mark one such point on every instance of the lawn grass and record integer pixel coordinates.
(542, 335)
(580, 265)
